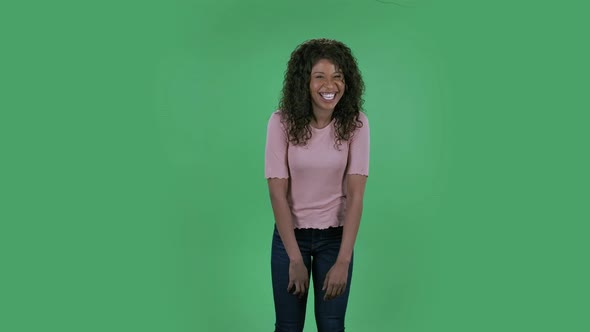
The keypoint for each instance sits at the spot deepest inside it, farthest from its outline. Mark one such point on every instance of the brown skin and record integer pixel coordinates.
(296, 100)
(337, 276)
(325, 78)
(298, 274)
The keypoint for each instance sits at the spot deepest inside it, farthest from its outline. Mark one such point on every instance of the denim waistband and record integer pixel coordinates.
(309, 231)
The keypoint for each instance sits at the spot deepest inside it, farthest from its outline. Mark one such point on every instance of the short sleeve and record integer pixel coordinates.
(358, 153)
(275, 160)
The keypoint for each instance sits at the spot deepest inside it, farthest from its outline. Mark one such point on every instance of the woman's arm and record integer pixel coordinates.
(354, 208)
(298, 274)
(336, 279)
(356, 179)
(282, 213)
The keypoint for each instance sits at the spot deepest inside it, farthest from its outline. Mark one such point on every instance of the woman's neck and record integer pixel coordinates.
(320, 119)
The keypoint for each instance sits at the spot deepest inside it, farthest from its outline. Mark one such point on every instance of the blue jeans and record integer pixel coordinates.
(319, 248)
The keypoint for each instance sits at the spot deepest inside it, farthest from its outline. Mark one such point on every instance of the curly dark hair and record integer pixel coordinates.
(296, 104)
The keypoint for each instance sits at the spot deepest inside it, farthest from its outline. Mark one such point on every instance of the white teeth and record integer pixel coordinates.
(328, 96)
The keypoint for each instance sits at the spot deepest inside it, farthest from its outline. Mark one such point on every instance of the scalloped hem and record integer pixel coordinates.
(356, 173)
(316, 228)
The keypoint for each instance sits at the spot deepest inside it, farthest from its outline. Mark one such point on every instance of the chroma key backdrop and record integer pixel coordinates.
(132, 181)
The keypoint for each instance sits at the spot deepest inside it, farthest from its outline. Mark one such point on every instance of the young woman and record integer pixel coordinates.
(317, 164)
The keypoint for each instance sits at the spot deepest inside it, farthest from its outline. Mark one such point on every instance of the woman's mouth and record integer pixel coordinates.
(329, 96)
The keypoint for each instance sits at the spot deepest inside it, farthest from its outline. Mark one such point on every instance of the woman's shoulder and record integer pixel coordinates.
(363, 119)
(276, 120)
(275, 116)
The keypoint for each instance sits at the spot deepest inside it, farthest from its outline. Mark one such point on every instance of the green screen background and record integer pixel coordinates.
(132, 185)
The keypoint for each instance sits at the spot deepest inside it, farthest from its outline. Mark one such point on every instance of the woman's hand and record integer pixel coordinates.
(335, 282)
(298, 278)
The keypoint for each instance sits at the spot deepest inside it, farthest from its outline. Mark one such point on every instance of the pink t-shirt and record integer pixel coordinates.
(317, 171)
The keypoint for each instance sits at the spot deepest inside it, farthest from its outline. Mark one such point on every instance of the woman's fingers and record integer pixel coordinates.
(333, 290)
(298, 278)
(330, 291)
(301, 289)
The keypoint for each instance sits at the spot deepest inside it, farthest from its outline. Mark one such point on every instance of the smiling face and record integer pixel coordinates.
(326, 86)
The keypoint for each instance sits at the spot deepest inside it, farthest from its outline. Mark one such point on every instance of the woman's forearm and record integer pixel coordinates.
(352, 220)
(284, 222)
